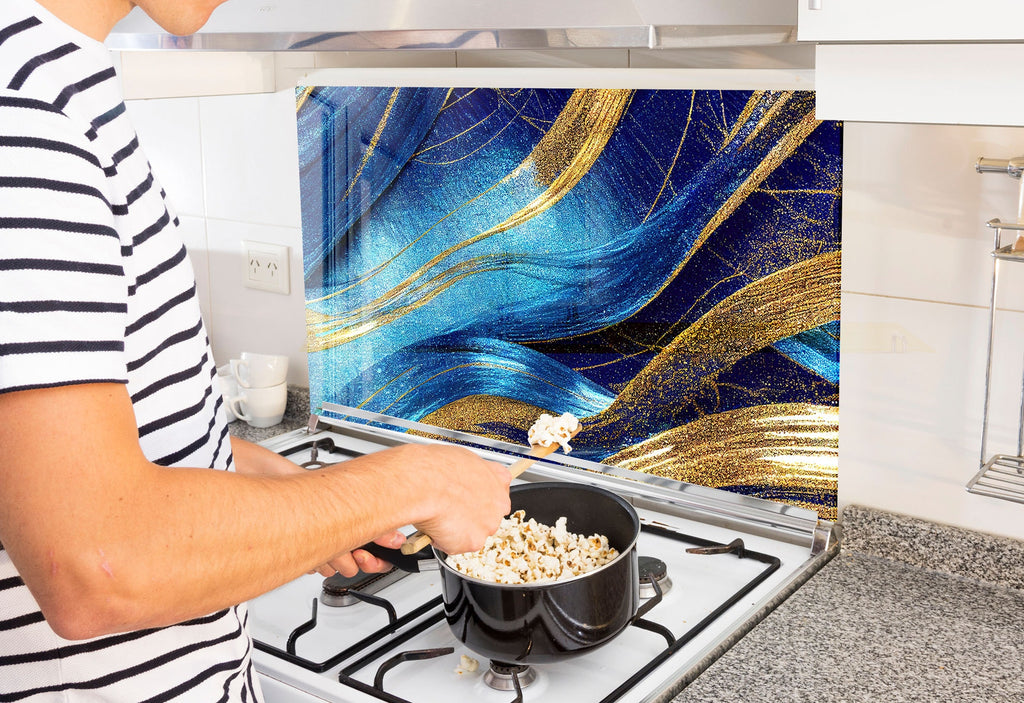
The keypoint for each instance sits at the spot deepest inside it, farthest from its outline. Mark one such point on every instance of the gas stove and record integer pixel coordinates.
(713, 564)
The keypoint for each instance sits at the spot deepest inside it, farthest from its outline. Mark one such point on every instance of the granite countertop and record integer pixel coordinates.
(907, 611)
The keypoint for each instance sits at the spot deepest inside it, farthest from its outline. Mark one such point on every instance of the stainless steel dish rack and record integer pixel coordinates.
(1001, 475)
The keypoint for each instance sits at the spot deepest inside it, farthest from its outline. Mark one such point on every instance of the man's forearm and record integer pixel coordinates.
(213, 539)
(179, 543)
(252, 459)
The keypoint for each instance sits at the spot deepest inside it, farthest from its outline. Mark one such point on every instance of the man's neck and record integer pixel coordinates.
(94, 18)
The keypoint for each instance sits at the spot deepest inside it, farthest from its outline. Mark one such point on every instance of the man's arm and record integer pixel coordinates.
(107, 541)
(253, 459)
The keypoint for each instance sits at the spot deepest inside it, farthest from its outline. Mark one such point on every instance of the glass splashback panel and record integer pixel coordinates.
(664, 264)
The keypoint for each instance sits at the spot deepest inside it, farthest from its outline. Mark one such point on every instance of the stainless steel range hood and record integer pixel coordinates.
(364, 25)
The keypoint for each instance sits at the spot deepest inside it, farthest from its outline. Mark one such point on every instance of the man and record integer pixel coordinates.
(124, 555)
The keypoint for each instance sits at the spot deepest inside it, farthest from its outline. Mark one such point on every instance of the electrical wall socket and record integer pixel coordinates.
(265, 267)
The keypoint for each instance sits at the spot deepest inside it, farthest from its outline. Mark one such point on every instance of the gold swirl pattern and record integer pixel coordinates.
(793, 138)
(474, 413)
(372, 146)
(341, 330)
(790, 446)
(793, 447)
(302, 97)
(572, 144)
(561, 158)
(798, 298)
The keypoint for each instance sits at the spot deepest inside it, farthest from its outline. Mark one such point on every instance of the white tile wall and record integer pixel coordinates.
(914, 210)
(778, 56)
(168, 130)
(244, 319)
(229, 166)
(193, 232)
(250, 158)
(293, 67)
(157, 74)
(552, 58)
(910, 421)
(916, 281)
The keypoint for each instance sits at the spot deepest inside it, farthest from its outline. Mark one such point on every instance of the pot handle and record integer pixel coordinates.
(423, 560)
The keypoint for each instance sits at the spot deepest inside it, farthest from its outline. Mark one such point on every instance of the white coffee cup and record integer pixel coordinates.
(260, 407)
(228, 388)
(253, 370)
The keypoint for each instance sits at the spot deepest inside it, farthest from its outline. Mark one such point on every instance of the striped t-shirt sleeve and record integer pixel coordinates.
(63, 292)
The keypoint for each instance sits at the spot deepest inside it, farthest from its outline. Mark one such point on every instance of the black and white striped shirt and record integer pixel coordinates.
(95, 286)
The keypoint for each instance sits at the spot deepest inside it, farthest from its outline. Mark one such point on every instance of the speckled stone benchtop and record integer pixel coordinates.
(908, 611)
(928, 545)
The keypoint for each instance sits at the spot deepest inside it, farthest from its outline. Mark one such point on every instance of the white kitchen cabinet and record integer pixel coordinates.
(967, 84)
(918, 61)
(910, 20)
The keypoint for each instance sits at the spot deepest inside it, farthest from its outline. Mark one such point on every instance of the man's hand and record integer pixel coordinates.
(466, 496)
(351, 563)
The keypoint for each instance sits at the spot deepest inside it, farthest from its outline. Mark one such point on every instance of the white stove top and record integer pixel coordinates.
(637, 665)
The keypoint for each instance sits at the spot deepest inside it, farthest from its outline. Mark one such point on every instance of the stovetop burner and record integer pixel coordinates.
(387, 649)
(509, 677)
(652, 568)
(321, 444)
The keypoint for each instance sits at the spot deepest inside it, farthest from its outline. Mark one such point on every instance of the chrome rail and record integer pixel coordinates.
(1000, 477)
(787, 522)
(535, 39)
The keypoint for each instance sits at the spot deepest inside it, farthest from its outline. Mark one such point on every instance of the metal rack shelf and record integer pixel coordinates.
(1002, 475)
(1007, 253)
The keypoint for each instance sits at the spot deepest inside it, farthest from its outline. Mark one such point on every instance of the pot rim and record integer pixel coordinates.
(441, 556)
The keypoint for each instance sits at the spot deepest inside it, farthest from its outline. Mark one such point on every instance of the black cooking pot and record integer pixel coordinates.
(543, 622)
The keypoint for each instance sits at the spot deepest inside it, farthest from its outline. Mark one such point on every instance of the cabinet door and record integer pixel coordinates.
(951, 83)
(910, 20)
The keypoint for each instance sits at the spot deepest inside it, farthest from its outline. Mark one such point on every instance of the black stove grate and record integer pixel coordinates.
(432, 613)
(349, 652)
(321, 444)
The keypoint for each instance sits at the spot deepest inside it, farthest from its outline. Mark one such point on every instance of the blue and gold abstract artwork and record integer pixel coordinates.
(663, 264)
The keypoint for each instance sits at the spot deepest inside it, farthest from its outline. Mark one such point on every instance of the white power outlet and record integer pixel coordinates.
(265, 267)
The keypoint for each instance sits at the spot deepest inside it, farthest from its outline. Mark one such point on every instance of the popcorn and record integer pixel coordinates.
(549, 430)
(467, 665)
(525, 551)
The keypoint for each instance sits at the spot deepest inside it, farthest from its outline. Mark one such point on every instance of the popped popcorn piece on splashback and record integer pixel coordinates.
(525, 551)
(548, 430)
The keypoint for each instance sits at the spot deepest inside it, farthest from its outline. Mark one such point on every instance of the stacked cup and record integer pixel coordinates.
(262, 389)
